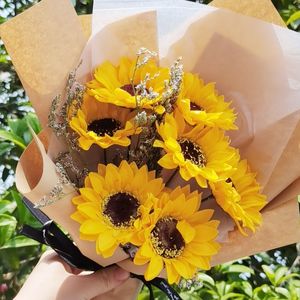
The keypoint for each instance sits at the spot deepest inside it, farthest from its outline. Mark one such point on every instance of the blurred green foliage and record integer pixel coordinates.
(290, 12)
(272, 275)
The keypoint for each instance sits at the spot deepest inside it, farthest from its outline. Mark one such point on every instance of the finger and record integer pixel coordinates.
(126, 291)
(89, 286)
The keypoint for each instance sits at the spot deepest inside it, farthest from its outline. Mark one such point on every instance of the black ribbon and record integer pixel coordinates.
(51, 235)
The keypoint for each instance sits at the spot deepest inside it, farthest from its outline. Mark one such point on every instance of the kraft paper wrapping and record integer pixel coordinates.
(49, 47)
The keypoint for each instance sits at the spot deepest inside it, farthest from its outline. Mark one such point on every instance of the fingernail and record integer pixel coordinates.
(121, 274)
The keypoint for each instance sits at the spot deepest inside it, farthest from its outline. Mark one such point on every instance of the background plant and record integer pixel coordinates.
(270, 275)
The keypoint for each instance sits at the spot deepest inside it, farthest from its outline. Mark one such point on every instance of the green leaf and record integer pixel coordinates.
(7, 227)
(5, 147)
(7, 206)
(270, 273)
(205, 278)
(238, 269)
(246, 287)
(232, 296)
(22, 210)
(293, 18)
(17, 126)
(280, 275)
(19, 242)
(283, 291)
(33, 121)
(10, 136)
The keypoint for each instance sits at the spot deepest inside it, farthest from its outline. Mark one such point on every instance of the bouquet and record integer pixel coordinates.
(168, 136)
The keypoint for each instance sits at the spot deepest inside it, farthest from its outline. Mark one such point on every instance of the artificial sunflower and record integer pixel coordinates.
(199, 103)
(119, 84)
(200, 153)
(111, 201)
(103, 124)
(177, 237)
(240, 197)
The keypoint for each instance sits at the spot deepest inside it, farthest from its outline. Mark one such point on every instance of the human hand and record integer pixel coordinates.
(52, 278)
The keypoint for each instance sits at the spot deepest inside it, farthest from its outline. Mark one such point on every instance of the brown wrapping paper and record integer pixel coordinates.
(261, 9)
(44, 44)
(65, 42)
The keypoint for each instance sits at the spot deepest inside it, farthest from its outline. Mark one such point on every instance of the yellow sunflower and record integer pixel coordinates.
(200, 104)
(200, 153)
(103, 124)
(113, 84)
(111, 201)
(177, 237)
(240, 197)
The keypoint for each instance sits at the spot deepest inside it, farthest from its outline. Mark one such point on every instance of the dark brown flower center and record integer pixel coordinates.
(194, 106)
(105, 126)
(166, 239)
(128, 88)
(121, 209)
(192, 152)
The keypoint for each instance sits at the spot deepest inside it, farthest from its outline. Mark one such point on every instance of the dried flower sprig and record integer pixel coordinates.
(57, 192)
(145, 153)
(70, 169)
(58, 116)
(172, 86)
(143, 55)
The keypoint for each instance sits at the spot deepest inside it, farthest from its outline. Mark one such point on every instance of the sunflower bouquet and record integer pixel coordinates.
(158, 136)
(144, 161)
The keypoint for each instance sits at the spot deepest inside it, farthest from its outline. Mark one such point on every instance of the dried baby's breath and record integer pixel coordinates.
(68, 166)
(63, 108)
(172, 86)
(57, 192)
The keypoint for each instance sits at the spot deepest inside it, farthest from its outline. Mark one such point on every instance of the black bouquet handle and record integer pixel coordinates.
(52, 236)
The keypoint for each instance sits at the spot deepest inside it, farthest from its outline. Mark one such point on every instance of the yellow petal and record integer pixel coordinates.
(109, 252)
(106, 74)
(183, 268)
(140, 260)
(146, 250)
(92, 227)
(172, 145)
(90, 195)
(201, 216)
(201, 181)
(172, 274)
(154, 268)
(184, 173)
(167, 161)
(192, 205)
(78, 217)
(105, 241)
(202, 262)
(85, 143)
(203, 249)
(98, 183)
(186, 230)
(89, 210)
(158, 144)
(78, 200)
(205, 233)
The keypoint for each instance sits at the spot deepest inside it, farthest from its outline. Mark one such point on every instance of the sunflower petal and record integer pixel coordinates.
(154, 268)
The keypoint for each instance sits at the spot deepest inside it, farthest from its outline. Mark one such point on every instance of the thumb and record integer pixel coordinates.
(89, 286)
